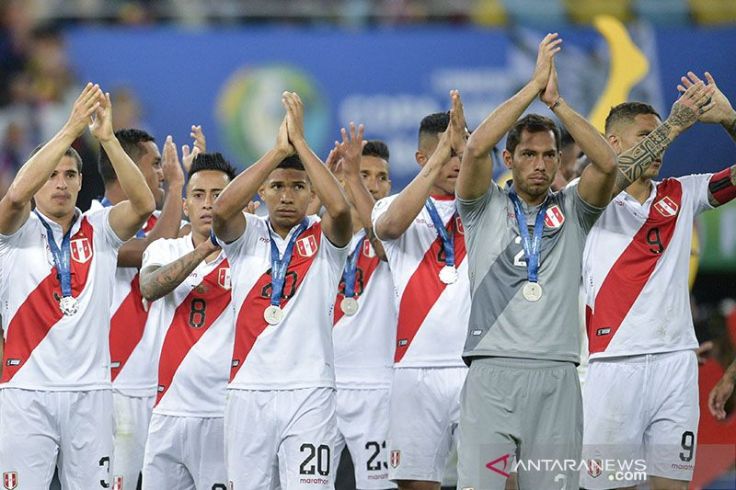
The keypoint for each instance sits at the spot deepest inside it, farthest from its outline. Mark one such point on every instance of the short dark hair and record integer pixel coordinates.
(212, 161)
(566, 138)
(130, 139)
(627, 111)
(531, 123)
(433, 124)
(293, 162)
(69, 152)
(376, 148)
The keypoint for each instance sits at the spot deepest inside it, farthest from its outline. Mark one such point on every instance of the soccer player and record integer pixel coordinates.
(525, 242)
(56, 394)
(280, 423)
(365, 318)
(423, 237)
(635, 273)
(190, 275)
(133, 348)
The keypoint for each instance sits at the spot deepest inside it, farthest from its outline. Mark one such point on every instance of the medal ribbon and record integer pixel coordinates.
(532, 245)
(448, 240)
(62, 257)
(279, 264)
(351, 266)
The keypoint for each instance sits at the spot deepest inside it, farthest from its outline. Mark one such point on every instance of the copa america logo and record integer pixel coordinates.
(249, 109)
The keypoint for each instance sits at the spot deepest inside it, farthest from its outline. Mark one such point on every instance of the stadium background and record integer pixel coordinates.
(386, 63)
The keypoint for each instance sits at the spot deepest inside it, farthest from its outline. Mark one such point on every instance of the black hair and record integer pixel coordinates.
(627, 111)
(433, 124)
(130, 139)
(69, 152)
(531, 123)
(566, 138)
(212, 161)
(376, 148)
(292, 162)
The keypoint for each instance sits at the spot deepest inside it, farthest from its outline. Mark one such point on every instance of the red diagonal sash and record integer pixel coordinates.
(192, 318)
(364, 270)
(631, 271)
(126, 327)
(40, 311)
(424, 288)
(250, 322)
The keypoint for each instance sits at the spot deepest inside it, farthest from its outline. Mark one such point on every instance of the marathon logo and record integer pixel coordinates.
(602, 331)
(13, 362)
(666, 207)
(161, 388)
(403, 342)
(115, 364)
(235, 363)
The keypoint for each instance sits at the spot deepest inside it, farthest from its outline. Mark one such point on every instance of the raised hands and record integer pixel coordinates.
(170, 166)
(294, 116)
(695, 102)
(283, 145)
(551, 93)
(84, 107)
(722, 111)
(548, 48)
(199, 145)
(458, 129)
(101, 124)
(350, 150)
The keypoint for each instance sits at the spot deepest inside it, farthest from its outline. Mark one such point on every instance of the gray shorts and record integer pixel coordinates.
(524, 416)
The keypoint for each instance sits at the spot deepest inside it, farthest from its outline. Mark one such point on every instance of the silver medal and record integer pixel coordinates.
(448, 274)
(69, 305)
(532, 291)
(349, 306)
(273, 315)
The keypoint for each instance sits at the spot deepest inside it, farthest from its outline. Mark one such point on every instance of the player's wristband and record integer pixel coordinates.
(555, 104)
(213, 238)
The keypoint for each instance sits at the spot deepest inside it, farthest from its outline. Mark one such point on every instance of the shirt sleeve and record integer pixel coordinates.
(471, 211)
(111, 238)
(585, 214)
(247, 240)
(695, 187)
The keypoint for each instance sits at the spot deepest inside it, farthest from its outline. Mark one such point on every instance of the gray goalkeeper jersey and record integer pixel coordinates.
(503, 323)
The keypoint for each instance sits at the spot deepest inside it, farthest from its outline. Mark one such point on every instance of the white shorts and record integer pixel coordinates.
(423, 418)
(280, 436)
(640, 417)
(185, 453)
(362, 424)
(36, 427)
(132, 415)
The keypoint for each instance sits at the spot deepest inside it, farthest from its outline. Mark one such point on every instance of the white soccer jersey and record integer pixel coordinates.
(297, 352)
(635, 271)
(433, 316)
(45, 350)
(133, 348)
(196, 323)
(364, 342)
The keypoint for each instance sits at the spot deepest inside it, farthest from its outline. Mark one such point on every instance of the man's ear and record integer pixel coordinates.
(615, 143)
(421, 158)
(507, 157)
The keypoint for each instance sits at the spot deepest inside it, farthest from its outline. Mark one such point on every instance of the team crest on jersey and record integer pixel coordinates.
(81, 250)
(223, 277)
(395, 458)
(554, 218)
(666, 207)
(307, 246)
(117, 482)
(459, 225)
(10, 480)
(595, 467)
(368, 250)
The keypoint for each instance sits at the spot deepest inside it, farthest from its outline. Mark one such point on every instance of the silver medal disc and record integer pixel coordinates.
(349, 306)
(273, 315)
(532, 291)
(448, 274)
(69, 305)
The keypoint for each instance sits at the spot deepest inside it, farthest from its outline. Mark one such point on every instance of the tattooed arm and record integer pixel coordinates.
(158, 281)
(685, 111)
